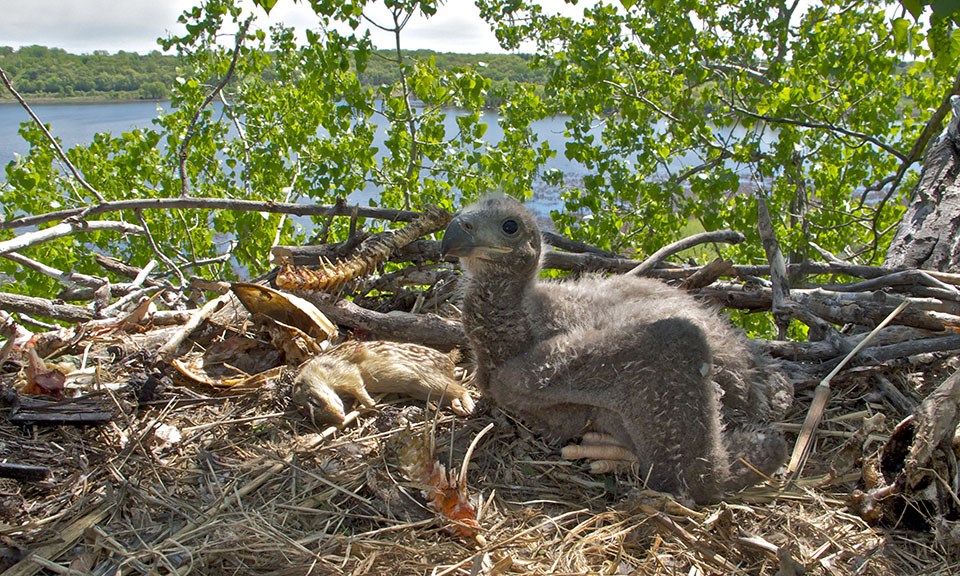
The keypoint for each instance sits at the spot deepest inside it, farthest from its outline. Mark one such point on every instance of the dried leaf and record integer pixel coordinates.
(286, 308)
(40, 378)
(445, 493)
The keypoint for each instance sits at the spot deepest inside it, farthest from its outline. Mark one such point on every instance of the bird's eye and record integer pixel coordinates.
(510, 227)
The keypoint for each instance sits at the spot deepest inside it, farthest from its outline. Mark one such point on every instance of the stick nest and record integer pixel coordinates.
(187, 480)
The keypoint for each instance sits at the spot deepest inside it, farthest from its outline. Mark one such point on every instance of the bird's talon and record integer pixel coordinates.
(611, 466)
(607, 454)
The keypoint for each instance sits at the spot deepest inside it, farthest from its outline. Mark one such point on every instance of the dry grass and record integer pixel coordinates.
(254, 489)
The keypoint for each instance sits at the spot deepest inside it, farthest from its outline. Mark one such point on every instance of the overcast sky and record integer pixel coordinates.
(82, 26)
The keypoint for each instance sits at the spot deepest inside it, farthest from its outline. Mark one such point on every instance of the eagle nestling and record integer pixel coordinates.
(631, 357)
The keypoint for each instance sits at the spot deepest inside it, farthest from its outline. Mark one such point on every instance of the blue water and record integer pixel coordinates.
(72, 123)
(76, 124)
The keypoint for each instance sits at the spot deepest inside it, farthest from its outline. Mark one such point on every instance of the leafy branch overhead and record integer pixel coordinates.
(779, 139)
(675, 114)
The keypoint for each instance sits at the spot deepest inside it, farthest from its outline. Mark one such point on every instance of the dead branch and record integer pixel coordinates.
(116, 266)
(780, 291)
(192, 127)
(65, 229)
(314, 254)
(894, 395)
(231, 204)
(868, 310)
(53, 141)
(708, 274)
(824, 350)
(570, 245)
(427, 329)
(71, 279)
(879, 354)
(156, 248)
(593, 262)
(903, 278)
(86, 411)
(87, 294)
(24, 472)
(917, 468)
(44, 308)
(724, 236)
(170, 347)
(586, 262)
(936, 422)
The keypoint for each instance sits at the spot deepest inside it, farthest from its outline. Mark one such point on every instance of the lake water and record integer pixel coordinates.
(72, 123)
(77, 123)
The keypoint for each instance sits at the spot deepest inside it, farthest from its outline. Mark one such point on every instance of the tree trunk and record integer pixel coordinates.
(928, 236)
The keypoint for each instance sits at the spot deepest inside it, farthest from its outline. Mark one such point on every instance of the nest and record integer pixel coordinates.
(147, 473)
(251, 488)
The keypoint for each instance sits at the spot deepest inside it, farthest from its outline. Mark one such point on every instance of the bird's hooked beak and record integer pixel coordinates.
(468, 236)
(459, 238)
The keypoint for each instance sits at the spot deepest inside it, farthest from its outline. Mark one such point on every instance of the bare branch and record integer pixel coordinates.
(564, 243)
(778, 267)
(213, 204)
(68, 278)
(156, 249)
(44, 308)
(50, 138)
(64, 229)
(427, 329)
(726, 236)
(819, 126)
(192, 128)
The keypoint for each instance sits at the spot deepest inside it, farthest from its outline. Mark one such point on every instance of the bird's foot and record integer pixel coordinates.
(607, 454)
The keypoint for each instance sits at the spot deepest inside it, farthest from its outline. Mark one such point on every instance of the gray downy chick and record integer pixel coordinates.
(631, 357)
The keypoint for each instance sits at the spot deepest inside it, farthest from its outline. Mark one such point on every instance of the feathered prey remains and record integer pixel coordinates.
(631, 357)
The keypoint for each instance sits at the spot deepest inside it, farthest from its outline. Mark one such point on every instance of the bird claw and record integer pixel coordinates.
(606, 453)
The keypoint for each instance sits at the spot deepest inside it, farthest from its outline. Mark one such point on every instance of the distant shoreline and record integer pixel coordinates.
(47, 100)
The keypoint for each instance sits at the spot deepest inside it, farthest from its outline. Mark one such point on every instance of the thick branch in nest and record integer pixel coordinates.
(426, 329)
(915, 476)
(64, 229)
(231, 204)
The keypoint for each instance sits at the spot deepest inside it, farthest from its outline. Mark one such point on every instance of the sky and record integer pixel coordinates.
(82, 26)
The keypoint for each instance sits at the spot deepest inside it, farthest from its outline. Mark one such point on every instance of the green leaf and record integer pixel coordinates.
(915, 7)
(945, 8)
(267, 5)
(901, 28)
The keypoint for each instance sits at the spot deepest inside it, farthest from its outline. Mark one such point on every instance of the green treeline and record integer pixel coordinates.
(41, 72)
(382, 68)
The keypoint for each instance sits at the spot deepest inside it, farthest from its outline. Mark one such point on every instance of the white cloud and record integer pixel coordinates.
(88, 25)
(134, 25)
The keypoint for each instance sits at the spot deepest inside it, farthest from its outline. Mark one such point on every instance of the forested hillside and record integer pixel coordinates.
(41, 72)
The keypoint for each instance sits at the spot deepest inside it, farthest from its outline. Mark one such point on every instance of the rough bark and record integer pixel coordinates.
(928, 236)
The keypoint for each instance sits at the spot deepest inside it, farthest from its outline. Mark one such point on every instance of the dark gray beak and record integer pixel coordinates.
(458, 239)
